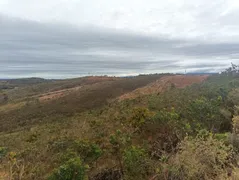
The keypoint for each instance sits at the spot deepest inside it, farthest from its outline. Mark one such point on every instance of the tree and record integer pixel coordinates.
(232, 71)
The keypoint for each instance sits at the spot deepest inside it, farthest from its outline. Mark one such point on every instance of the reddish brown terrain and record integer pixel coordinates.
(63, 92)
(57, 94)
(161, 85)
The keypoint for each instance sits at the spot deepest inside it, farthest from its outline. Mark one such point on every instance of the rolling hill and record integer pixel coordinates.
(159, 126)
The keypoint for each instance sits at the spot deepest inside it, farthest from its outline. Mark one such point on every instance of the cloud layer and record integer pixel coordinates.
(116, 38)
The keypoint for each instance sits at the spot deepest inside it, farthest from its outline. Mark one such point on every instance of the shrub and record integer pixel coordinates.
(206, 113)
(139, 117)
(119, 142)
(58, 145)
(71, 170)
(234, 136)
(235, 124)
(233, 96)
(3, 152)
(222, 137)
(234, 141)
(166, 130)
(118, 139)
(170, 118)
(88, 151)
(32, 138)
(201, 158)
(136, 165)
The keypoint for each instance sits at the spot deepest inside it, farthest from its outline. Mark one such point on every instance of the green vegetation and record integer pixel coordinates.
(189, 133)
(72, 170)
(136, 163)
(202, 157)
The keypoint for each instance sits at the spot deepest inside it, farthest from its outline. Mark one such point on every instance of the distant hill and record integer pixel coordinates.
(13, 83)
(200, 73)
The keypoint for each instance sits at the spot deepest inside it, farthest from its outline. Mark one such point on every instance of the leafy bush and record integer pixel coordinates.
(222, 137)
(234, 136)
(166, 129)
(136, 165)
(234, 141)
(32, 138)
(88, 151)
(139, 117)
(119, 142)
(60, 144)
(118, 139)
(205, 113)
(71, 170)
(234, 96)
(108, 174)
(235, 124)
(201, 158)
(3, 152)
(170, 118)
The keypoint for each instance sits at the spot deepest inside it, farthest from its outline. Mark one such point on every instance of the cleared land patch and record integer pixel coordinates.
(161, 85)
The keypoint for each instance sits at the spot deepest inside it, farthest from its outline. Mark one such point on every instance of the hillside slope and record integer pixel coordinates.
(166, 128)
(161, 85)
(60, 99)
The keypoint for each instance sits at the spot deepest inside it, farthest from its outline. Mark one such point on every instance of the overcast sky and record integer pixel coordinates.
(71, 38)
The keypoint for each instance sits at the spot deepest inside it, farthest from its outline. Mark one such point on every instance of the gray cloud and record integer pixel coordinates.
(29, 48)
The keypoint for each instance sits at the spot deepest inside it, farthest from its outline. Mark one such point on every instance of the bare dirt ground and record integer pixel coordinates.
(161, 85)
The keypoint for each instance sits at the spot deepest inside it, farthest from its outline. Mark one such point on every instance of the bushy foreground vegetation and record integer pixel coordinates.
(181, 134)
